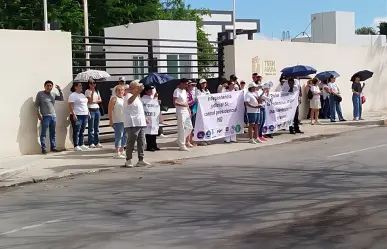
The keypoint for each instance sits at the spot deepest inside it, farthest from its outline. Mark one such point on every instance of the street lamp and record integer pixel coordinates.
(86, 24)
(233, 20)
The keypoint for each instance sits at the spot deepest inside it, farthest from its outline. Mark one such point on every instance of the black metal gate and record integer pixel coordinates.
(134, 58)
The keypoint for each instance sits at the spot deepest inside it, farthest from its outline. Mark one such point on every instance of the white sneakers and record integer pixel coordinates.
(81, 148)
(119, 156)
(92, 146)
(259, 141)
(77, 148)
(129, 164)
(252, 141)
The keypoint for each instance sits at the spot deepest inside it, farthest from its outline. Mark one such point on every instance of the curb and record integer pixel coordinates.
(373, 124)
(380, 122)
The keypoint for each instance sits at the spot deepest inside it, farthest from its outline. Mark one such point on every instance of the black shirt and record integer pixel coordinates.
(356, 87)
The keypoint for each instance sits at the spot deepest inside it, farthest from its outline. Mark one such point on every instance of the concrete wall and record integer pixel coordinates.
(270, 57)
(28, 59)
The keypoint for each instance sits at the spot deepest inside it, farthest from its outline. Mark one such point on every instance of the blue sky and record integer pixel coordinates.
(294, 16)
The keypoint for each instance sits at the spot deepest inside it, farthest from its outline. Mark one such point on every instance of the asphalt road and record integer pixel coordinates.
(329, 193)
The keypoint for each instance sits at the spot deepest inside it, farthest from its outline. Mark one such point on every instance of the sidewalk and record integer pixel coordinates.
(26, 169)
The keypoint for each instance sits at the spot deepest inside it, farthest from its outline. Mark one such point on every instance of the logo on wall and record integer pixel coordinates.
(269, 68)
(256, 65)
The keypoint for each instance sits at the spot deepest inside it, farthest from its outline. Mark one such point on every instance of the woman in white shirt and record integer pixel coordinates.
(79, 114)
(232, 138)
(94, 99)
(252, 112)
(315, 103)
(151, 139)
(203, 87)
(334, 99)
(116, 120)
(184, 124)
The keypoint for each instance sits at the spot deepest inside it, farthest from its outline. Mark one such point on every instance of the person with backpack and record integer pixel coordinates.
(315, 103)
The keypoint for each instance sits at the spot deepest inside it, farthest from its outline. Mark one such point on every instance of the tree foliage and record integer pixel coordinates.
(383, 28)
(365, 31)
(28, 14)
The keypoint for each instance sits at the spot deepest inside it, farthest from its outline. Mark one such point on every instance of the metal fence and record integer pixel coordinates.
(134, 58)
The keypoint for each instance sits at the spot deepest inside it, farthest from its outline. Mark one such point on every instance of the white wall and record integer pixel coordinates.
(28, 59)
(346, 60)
(323, 28)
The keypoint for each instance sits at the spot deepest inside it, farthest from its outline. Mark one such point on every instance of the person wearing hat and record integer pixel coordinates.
(193, 105)
(203, 89)
(121, 82)
(151, 139)
(257, 78)
(184, 124)
(135, 123)
(252, 112)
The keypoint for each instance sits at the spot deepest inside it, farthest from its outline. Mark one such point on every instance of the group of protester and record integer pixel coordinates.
(127, 116)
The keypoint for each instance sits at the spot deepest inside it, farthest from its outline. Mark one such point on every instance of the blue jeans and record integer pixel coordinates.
(326, 110)
(334, 107)
(79, 127)
(93, 129)
(357, 105)
(262, 120)
(48, 122)
(120, 136)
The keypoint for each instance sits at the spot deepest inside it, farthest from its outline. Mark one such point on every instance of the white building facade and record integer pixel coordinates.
(338, 27)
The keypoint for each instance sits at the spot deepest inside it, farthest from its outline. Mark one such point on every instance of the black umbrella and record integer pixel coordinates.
(363, 75)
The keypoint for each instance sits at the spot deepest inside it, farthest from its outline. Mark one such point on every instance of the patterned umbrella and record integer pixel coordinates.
(94, 74)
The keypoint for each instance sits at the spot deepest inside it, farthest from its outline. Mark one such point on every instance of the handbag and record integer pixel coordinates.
(310, 94)
(338, 98)
(101, 109)
(363, 99)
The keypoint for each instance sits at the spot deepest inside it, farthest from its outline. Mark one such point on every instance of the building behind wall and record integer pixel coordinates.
(338, 27)
(222, 20)
(173, 45)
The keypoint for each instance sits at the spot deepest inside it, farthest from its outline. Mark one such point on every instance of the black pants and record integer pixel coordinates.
(151, 141)
(296, 126)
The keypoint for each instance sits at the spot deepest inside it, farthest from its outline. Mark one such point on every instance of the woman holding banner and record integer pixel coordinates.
(263, 94)
(151, 139)
(184, 124)
(232, 138)
(192, 93)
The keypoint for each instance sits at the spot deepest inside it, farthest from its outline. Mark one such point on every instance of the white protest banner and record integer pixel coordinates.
(152, 116)
(219, 115)
(280, 110)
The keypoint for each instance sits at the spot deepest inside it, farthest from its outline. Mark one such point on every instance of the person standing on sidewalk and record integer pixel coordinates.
(252, 113)
(294, 87)
(135, 124)
(116, 120)
(184, 124)
(334, 100)
(45, 104)
(79, 114)
(94, 99)
(357, 90)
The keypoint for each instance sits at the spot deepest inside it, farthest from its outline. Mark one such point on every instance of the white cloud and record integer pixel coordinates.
(260, 36)
(377, 20)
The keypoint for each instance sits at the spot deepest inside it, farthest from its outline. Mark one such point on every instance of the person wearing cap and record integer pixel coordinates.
(203, 89)
(184, 124)
(252, 112)
(257, 78)
(45, 106)
(116, 120)
(122, 82)
(135, 123)
(151, 139)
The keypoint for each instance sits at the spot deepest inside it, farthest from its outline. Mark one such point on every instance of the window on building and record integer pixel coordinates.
(179, 66)
(172, 66)
(138, 67)
(185, 66)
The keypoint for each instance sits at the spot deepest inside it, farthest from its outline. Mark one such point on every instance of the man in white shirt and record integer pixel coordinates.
(135, 124)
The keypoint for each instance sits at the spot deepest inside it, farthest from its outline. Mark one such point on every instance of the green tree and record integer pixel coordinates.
(207, 52)
(365, 31)
(383, 28)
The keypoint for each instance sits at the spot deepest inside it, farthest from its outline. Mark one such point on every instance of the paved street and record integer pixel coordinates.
(328, 193)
